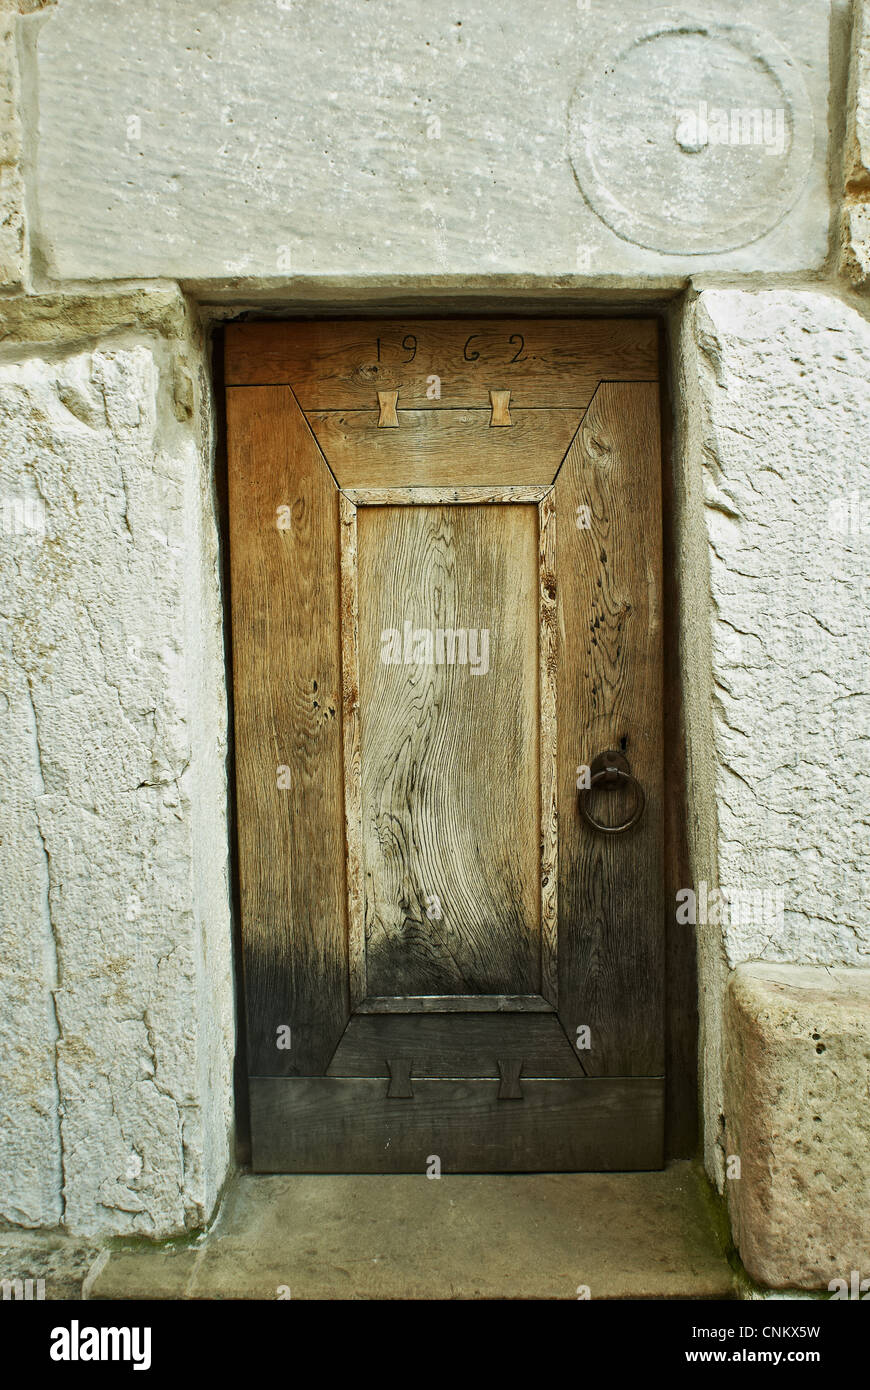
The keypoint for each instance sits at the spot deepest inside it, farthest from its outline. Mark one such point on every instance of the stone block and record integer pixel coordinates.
(797, 1062)
(117, 1032)
(784, 398)
(606, 144)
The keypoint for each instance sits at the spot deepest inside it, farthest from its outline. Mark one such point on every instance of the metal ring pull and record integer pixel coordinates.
(609, 769)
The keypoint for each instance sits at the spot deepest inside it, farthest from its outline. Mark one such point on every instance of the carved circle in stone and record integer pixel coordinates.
(691, 138)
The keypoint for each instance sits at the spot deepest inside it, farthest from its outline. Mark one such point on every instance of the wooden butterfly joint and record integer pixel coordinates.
(400, 1087)
(388, 419)
(509, 1087)
(500, 401)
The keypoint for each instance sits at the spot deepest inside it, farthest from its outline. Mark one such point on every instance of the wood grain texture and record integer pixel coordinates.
(471, 1046)
(442, 496)
(286, 674)
(547, 666)
(344, 1125)
(449, 758)
(455, 1004)
(610, 696)
(542, 362)
(351, 747)
(443, 448)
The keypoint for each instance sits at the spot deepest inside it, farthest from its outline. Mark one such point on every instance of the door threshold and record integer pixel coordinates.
(406, 1237)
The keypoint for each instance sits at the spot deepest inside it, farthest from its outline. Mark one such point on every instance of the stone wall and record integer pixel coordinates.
(776, 394)
(115, 962)
(157, 174)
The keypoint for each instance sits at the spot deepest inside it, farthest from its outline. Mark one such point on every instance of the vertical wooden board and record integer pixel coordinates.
(548, 648)
(350, 723)
(284, 567)
(449, 758)
(609, 696)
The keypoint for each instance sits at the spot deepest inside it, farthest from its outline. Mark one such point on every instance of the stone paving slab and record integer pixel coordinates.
(539, 1236)
(59, 1260)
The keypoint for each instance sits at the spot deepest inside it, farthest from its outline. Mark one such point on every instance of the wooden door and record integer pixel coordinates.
(445, 543)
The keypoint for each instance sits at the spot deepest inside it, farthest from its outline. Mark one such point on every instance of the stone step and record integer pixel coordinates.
(535, 1236)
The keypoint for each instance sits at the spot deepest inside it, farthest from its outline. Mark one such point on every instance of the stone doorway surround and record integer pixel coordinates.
(125, 242)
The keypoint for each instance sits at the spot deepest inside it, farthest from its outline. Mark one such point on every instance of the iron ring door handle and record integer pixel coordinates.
(609, 769)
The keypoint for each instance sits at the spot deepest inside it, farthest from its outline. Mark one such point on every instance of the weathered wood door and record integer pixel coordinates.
(445, 543)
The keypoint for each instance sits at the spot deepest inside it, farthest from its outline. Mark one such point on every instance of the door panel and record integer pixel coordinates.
(287, 714)
(456, 448)
(443, 611)
(449, 754)
(609, 576)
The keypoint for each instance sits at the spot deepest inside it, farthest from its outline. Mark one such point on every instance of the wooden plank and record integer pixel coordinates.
(444, 448)
(351, 745)
(450, 810)
(286, 675)
(547, 659)
(341, 1125)
(542, 362)
(471, 1046)
(443, 496)
(610, 696)
(454, 1003)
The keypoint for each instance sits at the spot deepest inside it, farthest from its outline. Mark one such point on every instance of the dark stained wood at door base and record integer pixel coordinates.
(339, 1125)
(472, 1045)
(455, 1004)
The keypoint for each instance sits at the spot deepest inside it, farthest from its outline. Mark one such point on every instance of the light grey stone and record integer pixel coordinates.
(114, 746)
(797, 1063)
(415, 140)
(692, 559)
(785, 391)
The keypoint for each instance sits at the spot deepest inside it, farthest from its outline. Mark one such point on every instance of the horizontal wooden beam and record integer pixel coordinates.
(442, 362)
(442, 496)
(350, 1125)
(455, 1004)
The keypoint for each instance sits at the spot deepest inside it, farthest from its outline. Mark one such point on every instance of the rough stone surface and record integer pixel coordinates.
(418, 140)
(692, 559)
(855, 243)
(855, 226)
(797, 1067)
(785, 393)
(64, 320)
(13, 249)
(622, 1235)
(115, 962)
(60, 1261)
